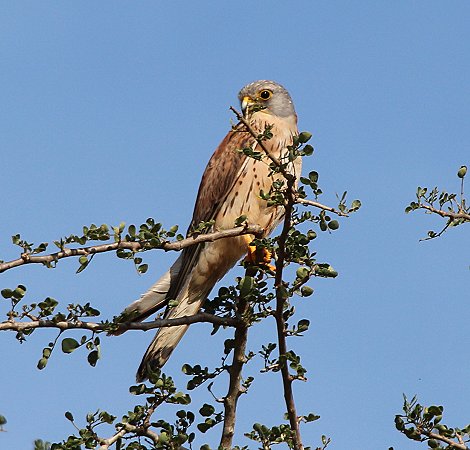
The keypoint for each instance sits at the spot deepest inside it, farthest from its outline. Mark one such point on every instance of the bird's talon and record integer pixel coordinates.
(260, 257)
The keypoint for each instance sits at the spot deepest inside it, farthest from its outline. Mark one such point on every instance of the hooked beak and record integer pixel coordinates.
(246, 103)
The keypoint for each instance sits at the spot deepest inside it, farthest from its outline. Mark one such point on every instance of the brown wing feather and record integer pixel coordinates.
(217, 181)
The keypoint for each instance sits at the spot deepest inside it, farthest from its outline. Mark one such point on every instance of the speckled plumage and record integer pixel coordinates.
(229, 188)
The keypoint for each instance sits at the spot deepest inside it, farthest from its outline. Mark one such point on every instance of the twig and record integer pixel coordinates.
(26, 258)
(304, 201)
(144, 326)
(449, 214)
(128, 428)
(450, 442)
(250, 130)
(106, 443)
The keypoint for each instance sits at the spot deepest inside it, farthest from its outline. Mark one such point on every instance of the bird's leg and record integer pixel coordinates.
(259, 256)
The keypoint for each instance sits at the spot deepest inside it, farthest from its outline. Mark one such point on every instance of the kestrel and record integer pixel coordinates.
(230, 187)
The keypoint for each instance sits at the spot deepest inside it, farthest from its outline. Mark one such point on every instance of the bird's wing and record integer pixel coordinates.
(219, 177)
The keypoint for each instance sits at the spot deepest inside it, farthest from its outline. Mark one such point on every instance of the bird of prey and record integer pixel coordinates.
(230, 187)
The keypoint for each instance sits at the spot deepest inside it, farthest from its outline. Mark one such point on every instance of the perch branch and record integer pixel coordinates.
(27, 258)
(144, 326)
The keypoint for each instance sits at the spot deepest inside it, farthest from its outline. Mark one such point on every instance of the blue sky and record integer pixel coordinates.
(110, 112)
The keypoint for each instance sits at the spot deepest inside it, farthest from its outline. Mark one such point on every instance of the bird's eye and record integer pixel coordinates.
(265, 94)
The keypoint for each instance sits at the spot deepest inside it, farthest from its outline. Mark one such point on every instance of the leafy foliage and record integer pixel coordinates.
(424, 424)
(451, 206)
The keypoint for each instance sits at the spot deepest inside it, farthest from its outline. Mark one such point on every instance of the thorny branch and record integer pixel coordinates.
(27, 258)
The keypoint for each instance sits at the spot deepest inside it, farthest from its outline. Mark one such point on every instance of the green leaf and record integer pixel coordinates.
(142, 268)
(163, 437)
(303, 325)
(240, 220)
(69, 416)
(307, 150)
(302, 272)
(306, 291)
(399, 424)
(42, 363)
(304, 137)
(7, 293)
(69, 345)
(207, 410)
(313, 176)
(311, 417)
(3, 421)
(246, 285)
(93, 358)
(83, 265)
(462, 172)
(355, 205)
(333, 224)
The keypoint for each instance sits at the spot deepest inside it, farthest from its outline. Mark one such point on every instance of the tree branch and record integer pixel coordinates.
(448, 214)
(125, 429)
(27, 258)
(235, 371)
(144, 326)
(280, 322)
(106, 443)
(450, 442)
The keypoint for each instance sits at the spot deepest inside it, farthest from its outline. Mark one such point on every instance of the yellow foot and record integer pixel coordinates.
(260, 257)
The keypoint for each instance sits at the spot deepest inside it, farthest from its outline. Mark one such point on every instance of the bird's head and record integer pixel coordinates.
(268, 97)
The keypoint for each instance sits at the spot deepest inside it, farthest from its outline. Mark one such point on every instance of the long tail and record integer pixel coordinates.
(167, 338)
(188, 283)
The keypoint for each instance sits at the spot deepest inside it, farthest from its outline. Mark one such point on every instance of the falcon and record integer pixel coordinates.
(230, 188)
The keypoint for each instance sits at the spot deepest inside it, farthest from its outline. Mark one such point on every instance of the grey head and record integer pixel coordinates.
(268, 96)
